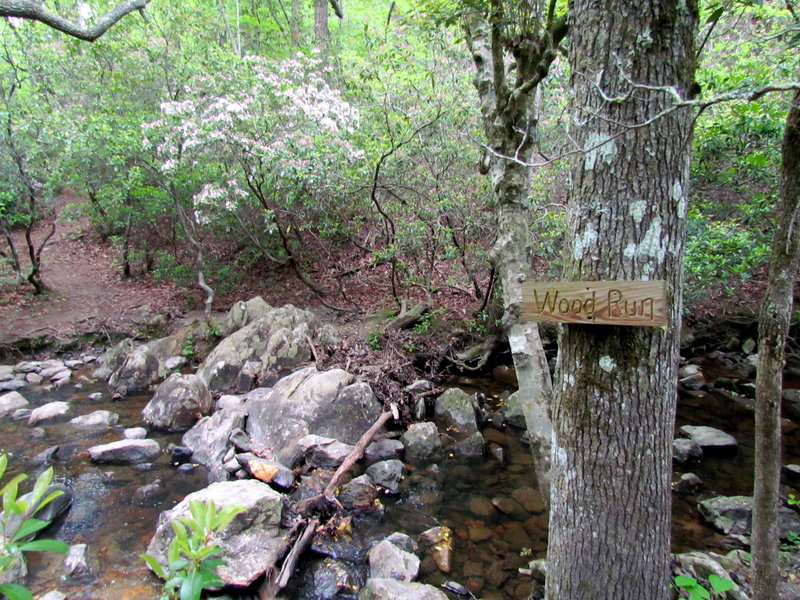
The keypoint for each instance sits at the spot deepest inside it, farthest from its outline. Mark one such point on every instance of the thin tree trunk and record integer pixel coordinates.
(773, 328)
(296, 22)
(12, 257)
(613, 410)
(322, 34)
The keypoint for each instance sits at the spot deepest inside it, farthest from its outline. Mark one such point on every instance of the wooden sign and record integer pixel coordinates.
(631, 303)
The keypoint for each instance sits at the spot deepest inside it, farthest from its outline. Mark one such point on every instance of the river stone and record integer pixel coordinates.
(6, 372)
(709, 438)
(791, 404)
(733, 515)
(46, 412)
(329, 579)
(231, 402)
(471, 447)
(11, 385)
(422, 442)
(126, 452)
(359, 493)
(76, 563)
(134, 433)
(511, 411)
(58, 505)
(701, 564)
(685, 450)
(16, 572)
(99, 419)
(53, 595)
(309, 402)
(175, 363)
(324, 452)
(387, 560)
(688, 484)
(220, 370)
(209, 441)
(178, 403)
(139, 371)
(530, 499)
(267, 471)
(10, 402)
(387, 474)
(251, 542)
(243, 313)
(384, 449)
(455, 413)
(392, 589)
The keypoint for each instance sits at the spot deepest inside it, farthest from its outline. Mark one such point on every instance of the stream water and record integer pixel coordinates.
(117, 524)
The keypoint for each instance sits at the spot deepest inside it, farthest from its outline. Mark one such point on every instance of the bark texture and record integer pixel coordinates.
(614, 406)
(34, 10)
(773, 328)
(510, 63)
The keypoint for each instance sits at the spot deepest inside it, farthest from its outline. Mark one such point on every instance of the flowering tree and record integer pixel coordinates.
(262, 148)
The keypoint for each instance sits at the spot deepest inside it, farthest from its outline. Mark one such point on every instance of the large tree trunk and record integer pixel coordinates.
(773, 328)
(613, 411)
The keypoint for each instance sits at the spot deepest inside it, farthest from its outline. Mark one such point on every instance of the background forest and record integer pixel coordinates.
(236, 140)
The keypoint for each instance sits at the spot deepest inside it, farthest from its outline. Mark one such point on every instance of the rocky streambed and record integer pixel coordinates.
(449, 502)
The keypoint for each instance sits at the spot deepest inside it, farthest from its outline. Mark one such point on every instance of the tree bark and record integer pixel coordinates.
(296, 22)
(35, 11)
(773, 328)
(322, 34)
(613, 411)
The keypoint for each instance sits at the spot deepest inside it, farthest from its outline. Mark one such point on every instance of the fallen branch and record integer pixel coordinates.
(270, 589)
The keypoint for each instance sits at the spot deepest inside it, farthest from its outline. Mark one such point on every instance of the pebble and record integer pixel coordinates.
(134, 433)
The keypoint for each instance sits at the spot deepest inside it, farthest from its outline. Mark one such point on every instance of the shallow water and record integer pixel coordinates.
(487, 542)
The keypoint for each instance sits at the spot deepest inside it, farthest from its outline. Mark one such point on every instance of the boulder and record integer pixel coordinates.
(11, 385)
(733, 515)
(178, 403)
(49, 411)
(387, 560)
(126, 452)
(709, 438)
(685, 450)
(422, 442)
(359, 493)
(511, 411)
(324, 452)
(139, 371)
(6, 372)
(384, 449)
(471, 447)
(392, 589)
(700, 565)
(307, 402)
(209, 441)
(455, 413)
(387, 474)
(99, 419)
(10, 402)
(220, 370)
(243, 313)
(251, 542)
(287, 348)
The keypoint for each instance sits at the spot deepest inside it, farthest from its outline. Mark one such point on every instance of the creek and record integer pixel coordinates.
(116, 522)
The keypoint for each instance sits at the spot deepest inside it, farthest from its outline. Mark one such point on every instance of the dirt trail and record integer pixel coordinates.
(87, 294)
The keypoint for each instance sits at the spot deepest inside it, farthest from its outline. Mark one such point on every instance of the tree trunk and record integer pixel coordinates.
(322, 34)
(614, 406)
(505, 95)
(296, 22)
(773, 328)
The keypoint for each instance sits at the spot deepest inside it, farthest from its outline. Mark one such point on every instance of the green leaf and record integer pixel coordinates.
(28, 527)
(719, 584)
(684, 581)
(10, 492)
(39, 488)
(192, 587)
(13, 591)
(714, 16)
(3, 460)
(44, 546)
(154, 565)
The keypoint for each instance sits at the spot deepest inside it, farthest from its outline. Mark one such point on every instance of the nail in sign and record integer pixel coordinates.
(631, 303)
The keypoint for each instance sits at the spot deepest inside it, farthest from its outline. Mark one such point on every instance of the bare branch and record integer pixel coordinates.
(34, 11)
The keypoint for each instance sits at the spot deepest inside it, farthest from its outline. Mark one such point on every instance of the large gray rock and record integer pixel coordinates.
(49, 411)
(10, 402)
(324, 452)
(251, 542)
(455, 413)
(388, 561)
(139, 371)
(243, 313)
(422, 442)
(126, 452)
(220, 370)
(387, 474)
(392, 589)
(99, 419)
(287, 348)
(209, 441)
(178, 403)
(709, 438)
(511, 411)
(309, 402)
(733, 515)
